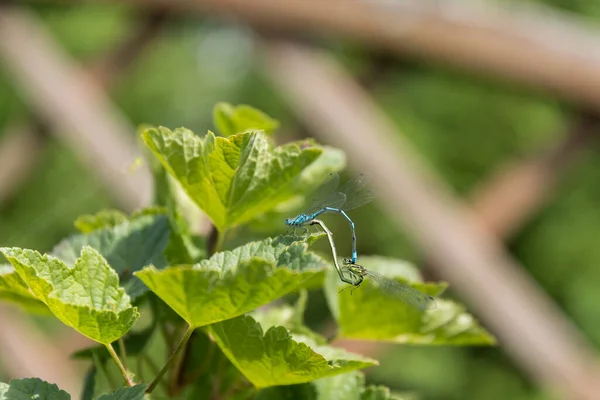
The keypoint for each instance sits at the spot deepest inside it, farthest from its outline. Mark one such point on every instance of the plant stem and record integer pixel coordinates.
(115, 357)
(154, 370)
(180, 346)
(123, 351)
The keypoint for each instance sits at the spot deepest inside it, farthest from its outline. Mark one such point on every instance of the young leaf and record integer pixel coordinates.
(86, 297)
(273, 358)
(126, 393)
(234, 282)
(13, 289)
(103, 219)
(233, 179)
(230, 120)
(31, 388)
(110, 218)
(368, 313)
(127, 247)
(183, 247)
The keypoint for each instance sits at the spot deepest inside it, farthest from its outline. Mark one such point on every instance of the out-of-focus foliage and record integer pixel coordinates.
(464, 126)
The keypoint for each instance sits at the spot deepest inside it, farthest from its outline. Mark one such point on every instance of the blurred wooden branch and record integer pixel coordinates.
(108, 69)
(530, 327)
(533, 46)
(517, 190)
(19, 151)
(27, 353)
(78, 110)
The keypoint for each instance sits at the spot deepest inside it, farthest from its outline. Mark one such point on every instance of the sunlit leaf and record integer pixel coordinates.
(86, 297)
(274, 358)
(230, 119)
(15, 290)
(110, 218)
(235, 179)
(234, 282)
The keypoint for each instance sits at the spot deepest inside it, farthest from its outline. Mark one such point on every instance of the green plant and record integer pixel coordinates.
(182, 318)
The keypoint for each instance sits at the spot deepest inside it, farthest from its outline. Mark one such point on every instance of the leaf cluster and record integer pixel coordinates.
(189, 315)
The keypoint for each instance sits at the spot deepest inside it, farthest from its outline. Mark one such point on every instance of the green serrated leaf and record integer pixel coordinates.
(234, 179)
(15, 290)
(128, 247)
(281, 250)
(273, 358)
(234, 282)
(126, 393)
(31, 388)
(230, 119)
(86, 297)
(368, 313)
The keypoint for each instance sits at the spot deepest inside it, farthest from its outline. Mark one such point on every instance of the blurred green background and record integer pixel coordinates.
(464, 126)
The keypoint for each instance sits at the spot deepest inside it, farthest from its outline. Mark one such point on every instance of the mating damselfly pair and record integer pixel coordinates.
(353, 194)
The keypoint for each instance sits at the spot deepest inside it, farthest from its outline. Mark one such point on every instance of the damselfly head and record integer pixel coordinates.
(288, 221)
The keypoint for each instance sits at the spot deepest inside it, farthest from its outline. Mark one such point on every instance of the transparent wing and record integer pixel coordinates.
(357, 193)
(327, 195)
(405, 293)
